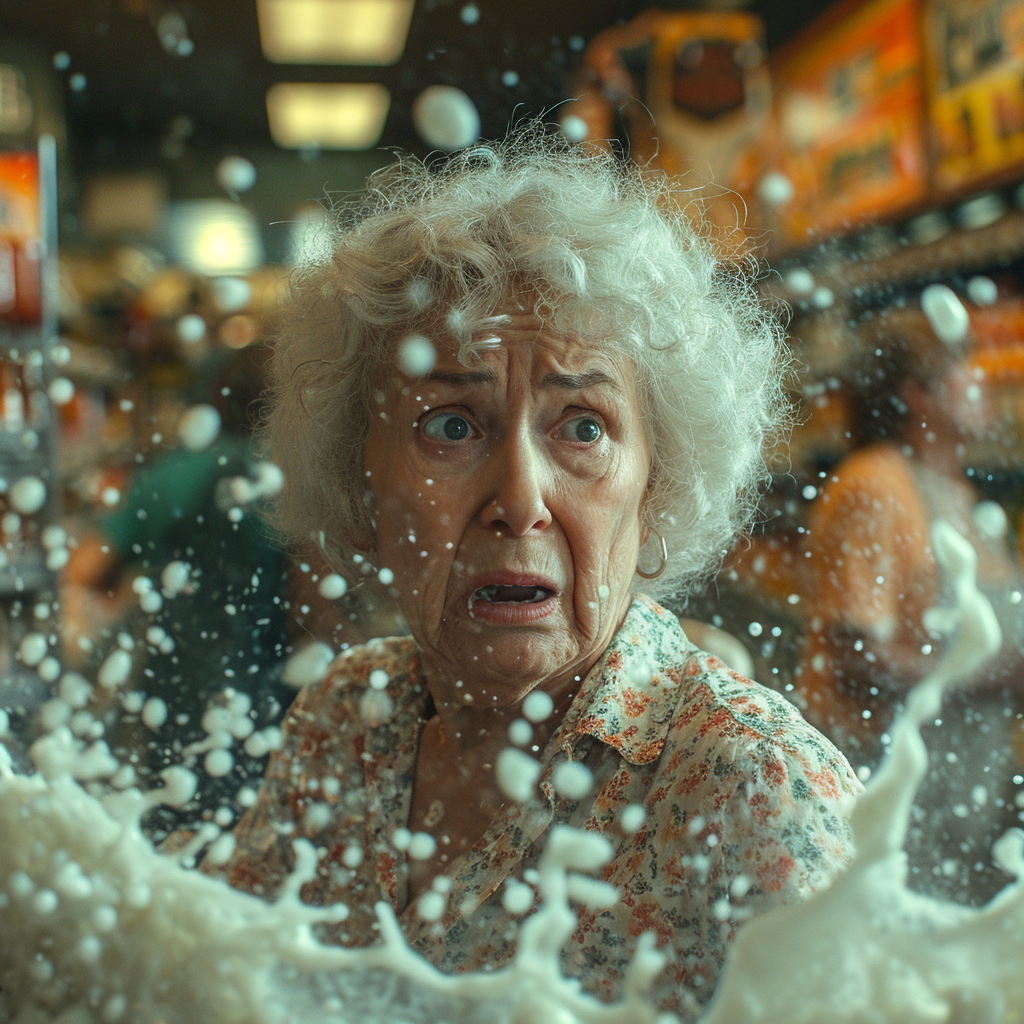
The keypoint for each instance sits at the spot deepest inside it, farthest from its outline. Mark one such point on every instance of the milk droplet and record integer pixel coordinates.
(537, 706)
(516, 772)
(308, 665)
(115, 670)
(53, 536)
(72, 882)
(256, 745)
(110, 496)
(945, 313)
(799, 280)
(61, 391)
(218, 763)
(154, 713)
(75, 689)
(45, 901)
(332, 586)
(174, 578)
(822, 298)
(510, 78)
(49, 669)
(199, 427)
(221, 849)
(775, 189)
(982, 290)
(32, 649)
(53, 714)
(269, 480)
(578, 848)
(28, 495)
(631, 818)
(990, 519)
(421, 846)
(57, 559)
(572, 780)
(430, 906)
(445, 117)
(517, 898)
(142, 585)
(1008, 852)
(416, 356)
(592, 892)
(375, 707)
(236, 174)
(104, 918)
(520, 732)
(191, 328)
(89, 949)
(470, 14)
(574, 128)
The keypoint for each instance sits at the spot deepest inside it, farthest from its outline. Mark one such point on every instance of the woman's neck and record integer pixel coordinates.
(470, 730)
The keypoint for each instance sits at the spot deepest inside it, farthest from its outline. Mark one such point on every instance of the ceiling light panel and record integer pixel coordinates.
(334, 31)
(331, 116)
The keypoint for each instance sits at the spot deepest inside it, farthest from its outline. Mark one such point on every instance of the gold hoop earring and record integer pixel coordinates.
(664, 561)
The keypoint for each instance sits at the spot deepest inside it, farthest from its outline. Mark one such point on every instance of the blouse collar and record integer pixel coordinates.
(628, 698)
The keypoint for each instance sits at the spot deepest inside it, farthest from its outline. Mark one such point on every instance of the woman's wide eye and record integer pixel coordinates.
(584, 429)
(447, 427)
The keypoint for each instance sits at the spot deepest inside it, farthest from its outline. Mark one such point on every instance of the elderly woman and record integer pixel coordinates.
(523, 392)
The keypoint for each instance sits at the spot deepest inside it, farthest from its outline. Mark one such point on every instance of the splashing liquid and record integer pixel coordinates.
(96, 926)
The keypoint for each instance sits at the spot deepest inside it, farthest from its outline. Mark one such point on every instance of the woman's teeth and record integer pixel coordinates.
(512, 595)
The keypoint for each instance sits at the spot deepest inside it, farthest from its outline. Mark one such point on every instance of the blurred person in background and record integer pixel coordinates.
(873, 576)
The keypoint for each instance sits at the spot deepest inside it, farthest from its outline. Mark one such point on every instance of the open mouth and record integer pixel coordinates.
(495, 594)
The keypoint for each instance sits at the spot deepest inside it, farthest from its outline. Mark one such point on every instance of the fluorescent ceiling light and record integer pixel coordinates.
(349, 116)
(334, 31)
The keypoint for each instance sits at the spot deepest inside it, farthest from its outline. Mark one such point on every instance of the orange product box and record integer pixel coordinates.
(850, 104)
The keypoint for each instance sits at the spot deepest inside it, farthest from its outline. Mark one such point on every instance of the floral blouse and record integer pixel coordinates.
(744, 808)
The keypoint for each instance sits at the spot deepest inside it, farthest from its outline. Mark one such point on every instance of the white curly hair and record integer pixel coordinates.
(612, 254)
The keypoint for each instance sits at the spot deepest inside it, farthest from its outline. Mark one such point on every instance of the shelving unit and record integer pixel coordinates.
(28, 450)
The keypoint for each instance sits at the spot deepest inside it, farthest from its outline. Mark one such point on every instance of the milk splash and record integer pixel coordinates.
(867, 949)
(96, 926)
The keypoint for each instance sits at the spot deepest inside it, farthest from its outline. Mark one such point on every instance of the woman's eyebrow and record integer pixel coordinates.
(462, 378)
(579, 381)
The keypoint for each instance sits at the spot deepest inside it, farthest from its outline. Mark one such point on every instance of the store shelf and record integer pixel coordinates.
(849, 275)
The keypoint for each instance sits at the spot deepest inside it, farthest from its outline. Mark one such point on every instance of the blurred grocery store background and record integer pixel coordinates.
(163, 164)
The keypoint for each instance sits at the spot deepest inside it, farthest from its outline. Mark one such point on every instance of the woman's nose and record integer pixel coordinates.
(520, 484)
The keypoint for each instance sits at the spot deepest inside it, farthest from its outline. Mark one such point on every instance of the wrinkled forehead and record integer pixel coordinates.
(524, 338)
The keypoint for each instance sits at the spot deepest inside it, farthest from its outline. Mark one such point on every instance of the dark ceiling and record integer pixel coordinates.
(131, 95)
(134, 88)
